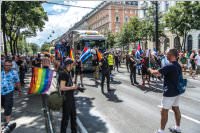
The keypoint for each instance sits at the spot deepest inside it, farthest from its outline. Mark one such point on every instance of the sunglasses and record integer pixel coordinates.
(8, 65)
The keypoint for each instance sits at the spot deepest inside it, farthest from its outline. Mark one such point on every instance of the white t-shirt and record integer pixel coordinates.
(197, 58)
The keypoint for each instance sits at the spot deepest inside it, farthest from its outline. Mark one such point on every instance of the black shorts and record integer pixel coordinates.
(111, 67)
(145, 71)
(7, 103)
(78, 72)
(193, 66)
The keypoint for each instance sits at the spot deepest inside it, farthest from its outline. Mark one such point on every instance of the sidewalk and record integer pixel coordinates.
(29, 115)
(27, 111)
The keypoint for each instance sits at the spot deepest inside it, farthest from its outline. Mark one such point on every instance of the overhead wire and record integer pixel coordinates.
(68, 5)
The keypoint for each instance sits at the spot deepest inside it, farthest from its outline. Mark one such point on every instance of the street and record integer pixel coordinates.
(132, 109)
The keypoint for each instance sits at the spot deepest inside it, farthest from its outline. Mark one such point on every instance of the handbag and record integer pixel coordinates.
(55, 100)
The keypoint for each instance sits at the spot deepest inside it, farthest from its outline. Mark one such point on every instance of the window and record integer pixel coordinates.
(189, 43)
(144, 13)
(126, 19)
(117, 19)
(199, 41)
(166, 5)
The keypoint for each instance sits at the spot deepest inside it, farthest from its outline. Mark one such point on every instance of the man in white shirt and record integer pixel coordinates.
(197, 61)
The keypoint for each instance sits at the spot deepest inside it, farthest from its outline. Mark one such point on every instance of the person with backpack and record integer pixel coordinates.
(171, 95)
(67, 88)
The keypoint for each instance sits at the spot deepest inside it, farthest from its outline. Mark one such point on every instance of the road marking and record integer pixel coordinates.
(82, 128)
(185, 116)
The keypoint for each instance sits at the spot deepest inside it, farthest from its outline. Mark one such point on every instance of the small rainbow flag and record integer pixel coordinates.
(71, 54)
(40, 81)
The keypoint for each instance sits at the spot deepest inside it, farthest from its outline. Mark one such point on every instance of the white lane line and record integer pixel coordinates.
(82, 128)
(185, 116)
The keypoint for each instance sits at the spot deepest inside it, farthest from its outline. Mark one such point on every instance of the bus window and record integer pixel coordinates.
(93, 43)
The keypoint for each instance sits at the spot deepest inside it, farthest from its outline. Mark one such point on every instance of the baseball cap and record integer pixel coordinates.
(68, 61)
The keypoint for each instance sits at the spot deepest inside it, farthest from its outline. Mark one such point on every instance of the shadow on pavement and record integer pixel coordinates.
(111, 96)
(92, 123)
(151, 88)
(28, 114)
(27, 111)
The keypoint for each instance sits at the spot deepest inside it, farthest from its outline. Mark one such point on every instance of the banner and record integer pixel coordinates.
(40, 81)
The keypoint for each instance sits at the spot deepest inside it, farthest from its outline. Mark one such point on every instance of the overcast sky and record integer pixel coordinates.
(61, 18)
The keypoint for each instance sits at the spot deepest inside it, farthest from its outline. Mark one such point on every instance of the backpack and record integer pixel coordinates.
(182, 83)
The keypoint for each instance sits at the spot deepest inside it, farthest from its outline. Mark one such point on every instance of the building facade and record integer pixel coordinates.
(111, 16)
(108, 17)
(171, 41)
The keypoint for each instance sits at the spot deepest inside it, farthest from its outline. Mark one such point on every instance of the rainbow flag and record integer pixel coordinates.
(40, 81)
(71, 54)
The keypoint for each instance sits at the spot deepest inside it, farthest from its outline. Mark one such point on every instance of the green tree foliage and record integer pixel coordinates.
(183, 17)
(45, 47)
(140, 29)
(34, 47)
(17, 15)
(110, 39)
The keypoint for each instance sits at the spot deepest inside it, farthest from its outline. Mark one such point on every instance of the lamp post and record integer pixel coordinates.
(156, 26)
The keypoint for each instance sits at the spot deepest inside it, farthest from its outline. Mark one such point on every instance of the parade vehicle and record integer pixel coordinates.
(81, 39)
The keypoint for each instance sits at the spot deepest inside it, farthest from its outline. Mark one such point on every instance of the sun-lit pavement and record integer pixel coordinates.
(130, 109)
(133, 109)
(27, 112)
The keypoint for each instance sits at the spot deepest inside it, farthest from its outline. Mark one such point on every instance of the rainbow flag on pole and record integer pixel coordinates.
(40, 81)
(71, 54)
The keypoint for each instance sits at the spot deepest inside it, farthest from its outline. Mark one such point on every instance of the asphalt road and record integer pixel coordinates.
(133, 109)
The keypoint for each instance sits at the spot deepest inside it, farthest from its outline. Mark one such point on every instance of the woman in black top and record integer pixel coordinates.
(67, 88)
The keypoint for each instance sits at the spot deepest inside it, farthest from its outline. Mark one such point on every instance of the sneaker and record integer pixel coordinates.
(173, 130)
(136, 83)
(9, 128)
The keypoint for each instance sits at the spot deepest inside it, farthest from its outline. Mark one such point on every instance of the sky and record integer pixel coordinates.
(60, 19)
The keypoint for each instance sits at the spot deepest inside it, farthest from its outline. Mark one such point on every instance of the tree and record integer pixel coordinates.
(110, 39)
(182, 18)
(34, 48)
(45, 47)
(17, 15)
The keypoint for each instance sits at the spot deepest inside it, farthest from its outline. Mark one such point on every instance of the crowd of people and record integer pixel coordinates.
(68, 71)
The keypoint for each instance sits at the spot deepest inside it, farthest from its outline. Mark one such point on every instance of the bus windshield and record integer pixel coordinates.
(93, 44)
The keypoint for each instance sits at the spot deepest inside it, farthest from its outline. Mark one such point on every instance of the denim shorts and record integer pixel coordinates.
(7, 103)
